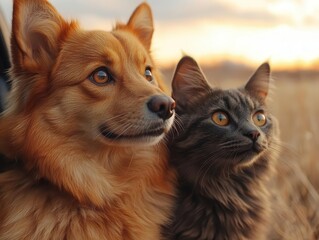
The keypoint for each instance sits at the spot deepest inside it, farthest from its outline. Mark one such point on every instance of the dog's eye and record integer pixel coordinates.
(100, 76)
(148, 74)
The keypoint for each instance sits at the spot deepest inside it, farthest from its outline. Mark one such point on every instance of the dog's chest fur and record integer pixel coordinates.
(41, 211)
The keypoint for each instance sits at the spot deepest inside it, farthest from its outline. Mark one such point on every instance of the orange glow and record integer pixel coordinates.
(284, 32)
(284, 46)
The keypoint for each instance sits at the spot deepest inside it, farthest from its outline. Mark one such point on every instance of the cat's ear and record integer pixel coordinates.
(141, 22)
(259, 83)
(37, 31)
(189, 82)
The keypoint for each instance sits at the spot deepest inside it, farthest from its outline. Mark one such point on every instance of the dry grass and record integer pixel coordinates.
(296, 106)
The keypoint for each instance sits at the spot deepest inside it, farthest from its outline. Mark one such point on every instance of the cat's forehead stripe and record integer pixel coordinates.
(235, 99)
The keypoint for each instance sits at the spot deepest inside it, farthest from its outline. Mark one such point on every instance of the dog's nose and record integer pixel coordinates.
(253, 135)
(162, 105)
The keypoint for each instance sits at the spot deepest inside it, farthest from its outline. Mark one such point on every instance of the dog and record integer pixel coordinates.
(85, 126)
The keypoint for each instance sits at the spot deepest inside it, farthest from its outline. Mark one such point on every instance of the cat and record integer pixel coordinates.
(223, 152)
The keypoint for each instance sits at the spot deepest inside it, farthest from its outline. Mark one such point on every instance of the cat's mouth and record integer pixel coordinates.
(254, 147)
(257, 148)
(251, 152)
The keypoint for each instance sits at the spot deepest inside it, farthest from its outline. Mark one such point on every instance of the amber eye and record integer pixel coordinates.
(100, 76)
(148, 74)
(259, 119)
(220, 118)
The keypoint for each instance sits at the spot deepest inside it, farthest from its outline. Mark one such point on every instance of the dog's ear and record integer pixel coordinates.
(37, 31)
(189, 83)
(141, 22)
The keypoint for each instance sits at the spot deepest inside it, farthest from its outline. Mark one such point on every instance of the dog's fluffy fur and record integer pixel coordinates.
(71, 181)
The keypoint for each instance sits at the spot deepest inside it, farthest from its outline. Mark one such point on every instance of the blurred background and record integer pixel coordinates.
(230, 39)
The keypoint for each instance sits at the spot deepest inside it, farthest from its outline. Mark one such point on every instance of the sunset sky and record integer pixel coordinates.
(286, 32)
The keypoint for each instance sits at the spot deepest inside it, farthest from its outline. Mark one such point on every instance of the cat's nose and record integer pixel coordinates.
(253, 135)
(162, 105)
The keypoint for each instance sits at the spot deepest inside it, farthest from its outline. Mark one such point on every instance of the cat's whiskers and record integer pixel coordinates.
(227, 143)
(232, 144)
(277, 147)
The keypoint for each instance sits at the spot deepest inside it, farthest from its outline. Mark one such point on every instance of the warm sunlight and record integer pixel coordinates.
(282, 44)
(286, 32)
(217, 138)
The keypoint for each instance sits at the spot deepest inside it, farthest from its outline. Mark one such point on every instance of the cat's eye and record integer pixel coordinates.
(220, 118)
(259, 119)
(148, 74)
(100, 76)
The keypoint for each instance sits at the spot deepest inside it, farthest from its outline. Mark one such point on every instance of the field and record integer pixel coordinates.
(295, 102)
(296, 106)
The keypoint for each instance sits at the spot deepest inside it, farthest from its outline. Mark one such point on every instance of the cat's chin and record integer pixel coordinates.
(249, 158)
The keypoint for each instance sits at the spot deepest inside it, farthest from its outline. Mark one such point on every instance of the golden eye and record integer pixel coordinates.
(220, 118)
(148, 74)
(259, 119)
(100, 76)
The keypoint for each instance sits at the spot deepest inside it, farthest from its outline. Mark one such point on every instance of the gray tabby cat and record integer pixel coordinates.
(226, 143)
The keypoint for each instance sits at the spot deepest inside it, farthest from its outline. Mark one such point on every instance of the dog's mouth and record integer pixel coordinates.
(107, 133)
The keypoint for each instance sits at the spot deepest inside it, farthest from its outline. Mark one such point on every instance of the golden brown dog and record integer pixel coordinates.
(84, 123)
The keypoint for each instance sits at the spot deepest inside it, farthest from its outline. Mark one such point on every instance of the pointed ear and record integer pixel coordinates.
(37, 30)
(189, 83)
(141, 22)
(258, 84)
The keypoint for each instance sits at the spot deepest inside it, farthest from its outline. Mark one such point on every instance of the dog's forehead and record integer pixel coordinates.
(131, 45)
(92, 41)
(90, 49)
(97, 44)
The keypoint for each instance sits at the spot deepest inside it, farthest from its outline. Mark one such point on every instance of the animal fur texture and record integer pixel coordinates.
(228, 186)
(84, 123)
(223, 152)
